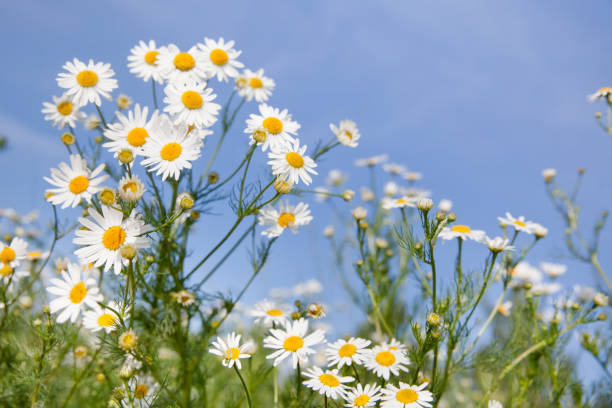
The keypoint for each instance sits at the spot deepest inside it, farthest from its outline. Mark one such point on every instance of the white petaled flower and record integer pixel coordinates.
(123, 101)
(494, 404)
(292, 341)
(498, 244)
(523, 272)
(362, 397)
(92, 122)
(401, 202)
(144, 62)
(347, 352)
(601, 93)
(463, 232)
(220, 58)
(394, 345)
(85, 83)
(327, 382)
(391, 188)
(406, 396)
(553, 269)
(287, 216)
(445, 205)
(504, 308)
(10, 275)
(412, 176)
(272, 128)
(290, 163)
(371, 161)
(181, 66)
(105, 234)
(171, 149)
(546, 288)
(230, 350)
(549, 174)
(336, 178)
(394, 168)
(270, 313)
(384, 361)
(74, 182)
(104, 318)
(131, 188)
(584, 293)
(75, 291)
(131, 131)
(346, 133)
(14, 253)
(190, 103)
(143, 390)
(62, 112)
(256, 86)
(519, 224)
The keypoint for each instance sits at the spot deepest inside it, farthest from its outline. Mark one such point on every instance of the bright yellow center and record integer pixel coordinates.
(171, 151)
(113, 238)
(106, 320)
(6, 270)
(137, 136)
(7, 255)
(329, 380)
(273, 125)
(65, 108)
(151, 57)
(461, 228)
(286, 219)
(348, 134)
(401, 201)
(192, 100)
(78, 292)
(87, 78)
(501, 309)
(361, 400)
(519, 223)
(34, 254)
(348, 350)
(78, 184)
(232, 353)
(293, 343)
(130, 185)
(127, 340)
(385, 358)
(218, 56)
(255, 83)
(605, 90)
(184, 61)
(274, 312)
(141, 391)
(406, 396)
(294, 159)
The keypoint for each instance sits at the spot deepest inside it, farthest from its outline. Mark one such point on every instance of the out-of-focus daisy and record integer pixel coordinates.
(539, 231)
(412, 175)
(62, 112)
(183, 297)
(371, 161)
(12, 275)
(123, 102)
(584, 293)
(494, 404)
(131, 131)
(287, 216)
(315, 311)
(362, 397)
(548, 288)
(524, 272)
(143, 61)
(463, 232)
(328, 382)
(256, 86)
(406, 396)
(498, 244)
(270, 313)
(272, 128)
(75, 290)
(190, 103)
(230, 350)
(171, 149)
(220, 58)
(394, 168)
(549, 174)
(335, 178)
(13, 253)
(143, 390)
(103, 318)
(401, 202)
(601, 93)
(290, 163)
(394, 345)
(367, 194)
(390, 189)
(92, 122)
(414, 193)
(553, 269)
(346, 133)
(105, 234)
(182, 66)
(504, 308)
(74, 182)
(383, 361)
(519, 224)
(347, 352)
(131, 188)
(292, 341)
(85, 83)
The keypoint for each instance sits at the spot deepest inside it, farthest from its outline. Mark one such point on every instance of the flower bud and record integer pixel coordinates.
(433, 319)
(128, 340)
(125, 156)
(260, 135)
(451, 217)
(283, 186)
(125, 373)
(213, 177)
(295, 316)
(127, 251)
(549, 175)
(440, 216)
(100, 377)
(598, 115)
(602, 317)
(425, 204)
(363, 224)
(389, 253)
(123, 101)
(329, 231)
(360, 213)
(186, 201)
(381, 243)
(107, 196)
(195, 214)
(600, 299)
(68, 139)
(348, 195)
(98, 139)
(540, 231)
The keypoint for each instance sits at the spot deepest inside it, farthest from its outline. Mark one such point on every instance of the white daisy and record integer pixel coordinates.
(498, 244)
(12, 275)
(87, 82)
(346, 133)
(131, 131)
(494, 404)
(190, 104)
(230, 350)
(255, 86)
(401, 202)
(220, 58)
(394, 168)
(143, 390)
(406, 396)
(123, 101)
(601, 93)
(327, 382)
(523, 272)
(462, 231)
(293, 341)
(181, 66)
(384, 361)
(287, 216)
(394, 345)
(13, 254)
(271, 128)
(347, 352)
(553, 270)
(74, 182)
(75, 290)
(361, 396)
(336, 178)
(412, 175)
(105, 234)
(290, 163)
(371, 161)
(270, 313)
(131, 188)
(519, 224)
(504, 308)
(62, 112)
(546, 288)
(143, 61)
(104, 318)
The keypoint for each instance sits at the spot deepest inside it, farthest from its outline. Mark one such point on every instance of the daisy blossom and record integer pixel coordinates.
(394, 169)
(180, 66)
(553, 270)
(293, 342)
(85, 83)
(104, 318)
(230, 349)
(62, 112)
(131, 188)
(290, 163)
(601, 93)
(406, 396)
(272, 128)
(191, 104)
(504, 308)
(131, 131)
(220, 58)
(383, 361)
(347, 352)
(327, 382)
(255, 86)
(10, 275)
(144, 63)
(144, 392)
(519, 224)
(389, 203)
(287, 216)
(346, 133)
(371, 161)
(270, 313)
(498, 244)
(13, 253)
(362, 397)
(463, 232)
(75, 290)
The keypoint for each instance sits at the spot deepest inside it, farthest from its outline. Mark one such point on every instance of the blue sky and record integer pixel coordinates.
(479, 96)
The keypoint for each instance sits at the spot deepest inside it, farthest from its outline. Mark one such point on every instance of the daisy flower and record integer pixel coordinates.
(498, 244)
(519, 224)
(220, 58)
(327, 382)
(179, 66)
(85, 83)
(361, 396)
(604, 92)
(524, 272)
(406, 396)
(190, 104)
(131, 131)
(171, 150)
(12, 254)
(293, 342)
(504, 308)
(270, 313)
(394, 169)
(271, 128)
(383, 361)
(143, 390)
(287, 216)
(62, 112)
(371, 161)
(11, 275)
(389, 203)
(255, 86)
(463, 232)
(412, 175)
(553, 269)
(75, 290)
(230, 349)
(347, 352)
(74, 182)
(123, 101)
(143, 61)
(104, 235)
(290, 163)
(494, 404)
(394, 345)
(131, 188)
(103, 318)
(346, 133)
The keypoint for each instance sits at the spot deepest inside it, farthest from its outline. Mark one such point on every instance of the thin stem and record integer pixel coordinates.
(246, 389)
(154, 93)
(600, 271)
(298, 381)
(101, 116)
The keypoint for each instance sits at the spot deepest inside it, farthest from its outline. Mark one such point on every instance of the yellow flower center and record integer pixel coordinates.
(274, 312)
(348, 134)
(232, 353)
(348, 350)
(78, 292)
(34, 254)
(106, 320)
(286, 219)
(329, 380)
(407, 396)
(273, 125)
(130, 185)
(519, 223)
(171, 151)
(218, 56)
(293, 343)
(240, 82)
(385, 358)
(7, 255)
(6, 270)
(294, 159)
(113, 238)
(255, 83)
(65, 108)
(502, 310)
(184, 61)
(137, 136)
(461, 228)
(78, 184)
(127, 341)
(141, 391)
(361, 400)
(192, 100)
(401, 201)
(87, 78)
(151, 57)
(605, 90)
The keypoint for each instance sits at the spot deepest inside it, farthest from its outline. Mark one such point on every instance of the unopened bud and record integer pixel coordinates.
(440, 216)
(433, 319)
(195, 214)
(283, 186)
(213, 177)
(363, 224)
(360, 213)
(581, 170)
(452, 217)
(107, 196)
(381, 243)
(600, 299)
(389, 253)
(68, 139)
(186, 201)
(126, 372)
(329, 231)
(348, 195)
(127, 251)
(549, 174)
(100, 377)
(425, 204)
(260, 135)
(125, 156)
(98, 139)
(602, 317)
(295, 316)
(598, 115)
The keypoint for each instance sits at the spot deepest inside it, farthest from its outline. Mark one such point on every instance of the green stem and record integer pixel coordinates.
(101, 116)
(154, 93)
(246, 389)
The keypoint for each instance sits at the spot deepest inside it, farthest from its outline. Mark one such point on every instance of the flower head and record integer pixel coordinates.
(256, 86)
(62, 112)
(272, 128)
(85, 83)
(406, 396)
(74, 291)
(292, 341)
(143, 61)
(286, 217)
(328, 382)
(362, 397)
(346, 133)
(220, 58)
(346, 352)
(230, 350)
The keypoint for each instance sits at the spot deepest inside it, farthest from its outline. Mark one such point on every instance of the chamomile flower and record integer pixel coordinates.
(371, 161)
(553, 270)
(292, 341)
(328, 382)
(272, 128)
(406, 396)
(74, 183)
(290, 163)
(85, 83)
(519, 224)
(220, 58)
(362, 397)
(524, 272)
(401, 202)
(104, 235)
(143, 390)
(14, 253)
(463, 232)
(74, 291)
(104, 318)
(190, 103)
(131, 188)
(123, 101)
(504, 308)
(270, 313)
(171, 149)
(62, 112)
(346, 133)
(255, 86)
(394, 345)
(144, 62)
(287, 216)
(181, 66)
(230, 350)
(384, 361)
(347, 352)
(498, 244)
(12, 275)
(131, 131)
(494, 404)
(601, 93)
(394, 169)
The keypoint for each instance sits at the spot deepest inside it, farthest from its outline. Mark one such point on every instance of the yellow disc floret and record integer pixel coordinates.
(113, 238)
(407, 396)
(87, 78)
(184, 61)
(171, 151)
(295, 160)
(7, 255)
(293, 343)
(461, 229)
(65, 108)
(192, 100)
(78, 184)
(348, 350)
(78, 292)
(285, 220)
(218, 56)
(151, 57)
(385, 358)
(106, 320)
(137, 136)
(329, 380)
(273, 125)
(255, 83)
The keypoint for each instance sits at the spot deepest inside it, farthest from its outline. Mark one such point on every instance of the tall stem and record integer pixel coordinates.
(246, 389)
